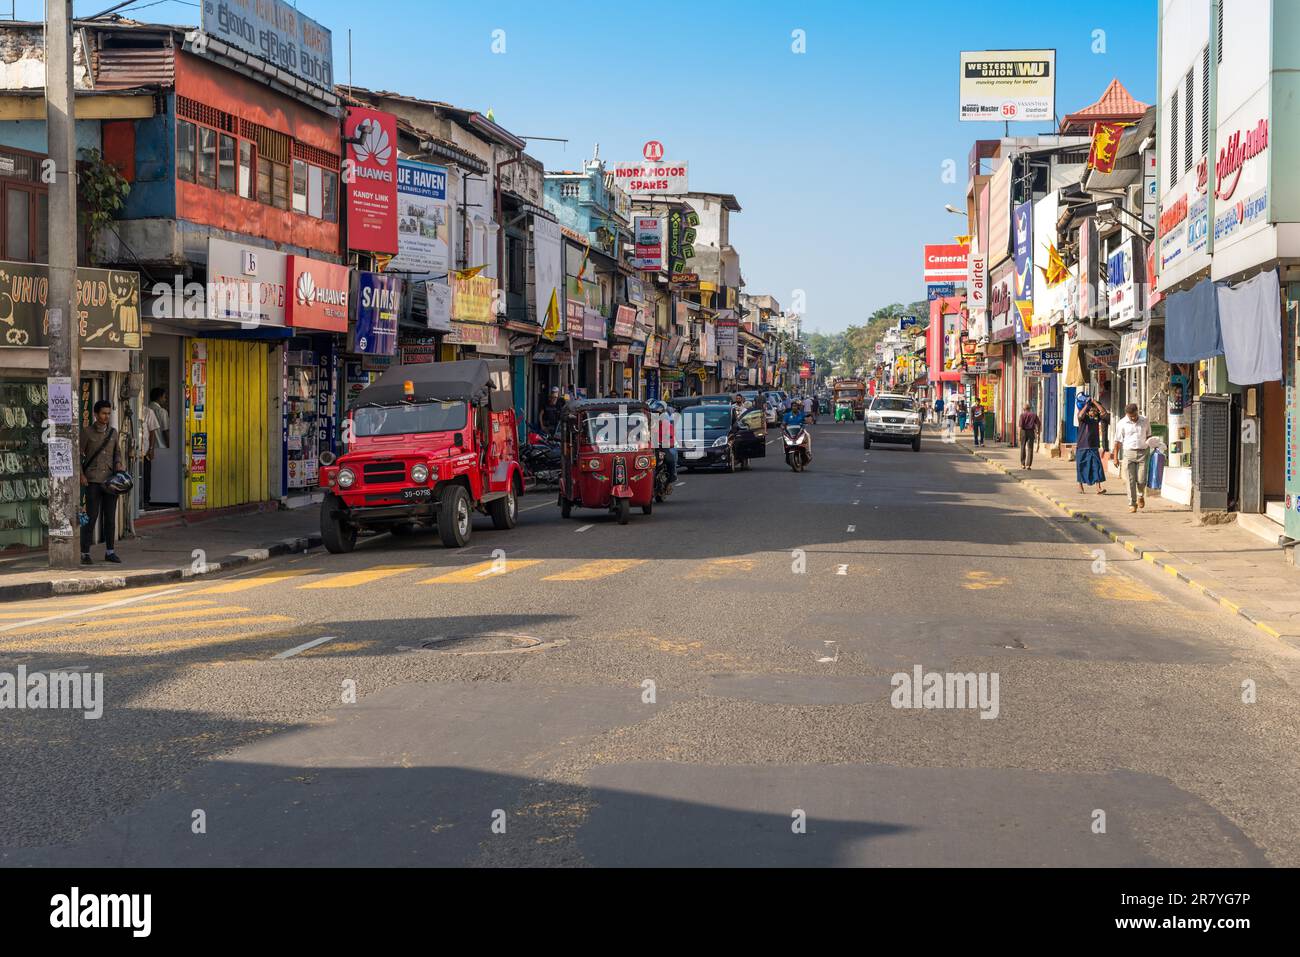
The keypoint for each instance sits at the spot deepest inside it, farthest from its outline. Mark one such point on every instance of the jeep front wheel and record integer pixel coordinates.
(338, 535)
(454, 523)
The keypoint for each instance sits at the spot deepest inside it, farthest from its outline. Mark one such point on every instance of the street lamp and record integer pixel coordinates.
(950, 208)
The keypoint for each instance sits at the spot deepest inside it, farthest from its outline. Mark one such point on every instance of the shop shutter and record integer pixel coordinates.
(235, 423)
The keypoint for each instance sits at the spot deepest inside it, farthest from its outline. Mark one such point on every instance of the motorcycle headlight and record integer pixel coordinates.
(419, 473)
(720, 441)
(347, 478)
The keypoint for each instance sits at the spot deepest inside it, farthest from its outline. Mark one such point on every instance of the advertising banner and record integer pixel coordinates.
(548, 271)
(378, 304)
(648, 237)
(681, 239)
(439, 308)
(320, 295)
(618, 353)
(472, 298)
(728, 340)
(1008, 86)
(276, 32)
(422, 225)
(946, 263)
(593, 326)
(1122, 284)
(107, 302)
(1133, 349)
(1022, 237)
(371, 163)
(625, 321)
(472, 334)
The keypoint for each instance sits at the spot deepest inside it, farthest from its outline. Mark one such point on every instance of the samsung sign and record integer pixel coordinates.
(276, 32)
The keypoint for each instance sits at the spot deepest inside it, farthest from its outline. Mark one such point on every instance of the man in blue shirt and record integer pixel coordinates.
(794, 415)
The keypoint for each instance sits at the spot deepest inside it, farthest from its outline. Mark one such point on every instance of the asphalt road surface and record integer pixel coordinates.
(709, 685)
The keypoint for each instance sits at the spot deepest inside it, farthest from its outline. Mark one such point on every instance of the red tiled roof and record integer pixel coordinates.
(1115, 104)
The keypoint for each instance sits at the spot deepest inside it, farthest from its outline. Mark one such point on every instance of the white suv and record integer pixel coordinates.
(892, 418)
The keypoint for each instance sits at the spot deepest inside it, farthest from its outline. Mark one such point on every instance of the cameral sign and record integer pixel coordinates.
(276, 32)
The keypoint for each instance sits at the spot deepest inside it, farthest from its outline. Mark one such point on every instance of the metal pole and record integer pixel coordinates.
(65, 347)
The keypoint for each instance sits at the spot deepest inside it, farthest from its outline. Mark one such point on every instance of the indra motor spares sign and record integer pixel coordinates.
(647, 179)
(1008, 85)
(370, 170)
(276, 32)
(318, 295)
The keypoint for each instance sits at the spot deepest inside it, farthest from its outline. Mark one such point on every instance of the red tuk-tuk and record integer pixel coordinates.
(608, 457)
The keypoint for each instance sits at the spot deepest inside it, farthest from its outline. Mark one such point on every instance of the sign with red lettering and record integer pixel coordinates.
(946, 264)
(370, 173)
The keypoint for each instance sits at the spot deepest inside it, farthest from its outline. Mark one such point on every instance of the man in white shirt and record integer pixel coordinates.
(1131, 452)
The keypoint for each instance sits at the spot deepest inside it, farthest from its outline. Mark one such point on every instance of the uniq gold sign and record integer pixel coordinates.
(107, 304)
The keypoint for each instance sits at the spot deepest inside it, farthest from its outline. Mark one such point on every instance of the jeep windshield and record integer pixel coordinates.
(893, 405)
(409, 418)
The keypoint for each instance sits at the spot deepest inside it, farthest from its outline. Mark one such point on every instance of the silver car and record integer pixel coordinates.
(892, 418)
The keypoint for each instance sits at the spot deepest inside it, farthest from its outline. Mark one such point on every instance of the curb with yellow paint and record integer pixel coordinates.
(1133, 544)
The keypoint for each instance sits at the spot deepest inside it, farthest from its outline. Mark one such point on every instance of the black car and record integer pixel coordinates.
(683, 402)
(718, 435)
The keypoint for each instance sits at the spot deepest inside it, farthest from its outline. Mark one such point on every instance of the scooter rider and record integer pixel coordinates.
(665, 437)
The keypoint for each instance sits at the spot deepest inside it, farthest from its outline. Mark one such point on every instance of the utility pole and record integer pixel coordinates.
(65, 346)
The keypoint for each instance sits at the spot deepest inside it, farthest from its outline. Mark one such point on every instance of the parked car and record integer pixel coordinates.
(431, 444)
(719, 436)
(683, 402)
(892, 418)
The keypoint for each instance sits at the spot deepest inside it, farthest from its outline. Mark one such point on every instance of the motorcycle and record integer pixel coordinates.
(663, 487)
(798, 447)
(541, 459)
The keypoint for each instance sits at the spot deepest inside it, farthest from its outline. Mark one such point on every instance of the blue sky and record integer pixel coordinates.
(835, 154)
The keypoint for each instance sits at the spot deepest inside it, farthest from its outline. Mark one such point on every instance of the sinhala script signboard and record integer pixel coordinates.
(276, 32)
(1008, 85)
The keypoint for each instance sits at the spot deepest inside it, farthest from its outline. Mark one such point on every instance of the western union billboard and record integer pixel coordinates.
(1008, 85)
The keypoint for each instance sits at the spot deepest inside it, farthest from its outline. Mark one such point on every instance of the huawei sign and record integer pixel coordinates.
(320, 295)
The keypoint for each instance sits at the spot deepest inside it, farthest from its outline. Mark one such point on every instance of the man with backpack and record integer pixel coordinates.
(101, 459)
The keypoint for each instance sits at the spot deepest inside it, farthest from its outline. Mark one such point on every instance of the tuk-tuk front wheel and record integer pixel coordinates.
(623, 510)
(338, 535)
(454, 522)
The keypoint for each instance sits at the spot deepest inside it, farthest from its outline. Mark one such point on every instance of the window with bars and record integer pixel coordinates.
(1189, 127)
(1173, 135)
(1205, 101)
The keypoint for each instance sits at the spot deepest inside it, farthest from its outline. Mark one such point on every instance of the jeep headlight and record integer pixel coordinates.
(720, 441)
(347, 478)
(419, 473)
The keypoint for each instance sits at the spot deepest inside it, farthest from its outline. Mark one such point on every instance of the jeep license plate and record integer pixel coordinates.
(416, 494)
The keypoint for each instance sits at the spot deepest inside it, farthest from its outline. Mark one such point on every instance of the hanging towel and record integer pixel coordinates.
(1250, 321)
(1192, 324)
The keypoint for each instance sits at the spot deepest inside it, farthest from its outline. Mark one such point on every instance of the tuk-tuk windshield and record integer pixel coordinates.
(611, 432)
(408, 419)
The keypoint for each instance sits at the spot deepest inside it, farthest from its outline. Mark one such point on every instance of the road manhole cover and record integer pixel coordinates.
(490, 643)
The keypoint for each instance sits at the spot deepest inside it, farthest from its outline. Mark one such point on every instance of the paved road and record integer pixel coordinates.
(708, 685)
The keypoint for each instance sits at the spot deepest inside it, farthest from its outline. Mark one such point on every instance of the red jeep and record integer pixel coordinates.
(426, 444)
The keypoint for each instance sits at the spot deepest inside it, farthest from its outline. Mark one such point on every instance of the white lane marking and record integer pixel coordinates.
(86, 611)
(303, 647)
(828, 660)
(853, 528)
(583, 529)
(841, 569)
(543, 505)
(857, 501)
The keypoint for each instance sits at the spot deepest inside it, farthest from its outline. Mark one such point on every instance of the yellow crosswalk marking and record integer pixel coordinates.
(100, 635)
(594, 570)
(127, 610)
(979, 580)
(182, 644)
(98, 621)
(254, 581)
(61, 603)
(1121, 588)
(722, 568)
(480, 572)
(363, 577)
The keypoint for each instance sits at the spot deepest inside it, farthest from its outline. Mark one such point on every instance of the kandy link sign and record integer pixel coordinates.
(1234, 156)
(370, 171)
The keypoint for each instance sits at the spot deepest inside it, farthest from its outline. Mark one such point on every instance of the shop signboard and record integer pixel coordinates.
(378, 306)
(246, 284)
(319, 296)
(946, 263)
(643, 179)
(1133, 349)
(940, 290)
(422, 223)
(1008, 86)
(107, 307)
(618, 353)
(681, 236)
(274, 31)
(593, 326)
(370, 172)
(728, 340)
(1241, 200)
(548, 270)
(625, 321)
(1122, 283)
(472, 297)
(472, 334)
(1104, 356)
(1051, 360)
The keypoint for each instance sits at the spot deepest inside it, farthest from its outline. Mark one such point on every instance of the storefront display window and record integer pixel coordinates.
(301, 419)
(24, 481)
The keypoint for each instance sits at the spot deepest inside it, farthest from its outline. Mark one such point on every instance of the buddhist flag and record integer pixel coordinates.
(552, 327)
(1105, 146)
(470, 273)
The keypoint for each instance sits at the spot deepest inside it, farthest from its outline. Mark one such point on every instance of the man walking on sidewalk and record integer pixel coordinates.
(1030, 427)
(977, 422)
(101, 456)
(1131, 452)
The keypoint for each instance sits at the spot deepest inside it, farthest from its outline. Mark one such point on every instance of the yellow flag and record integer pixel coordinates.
(470, 273)
(552, 327)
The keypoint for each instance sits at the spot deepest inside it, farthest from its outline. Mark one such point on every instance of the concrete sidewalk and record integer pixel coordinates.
(1228, 564)
(157, 555)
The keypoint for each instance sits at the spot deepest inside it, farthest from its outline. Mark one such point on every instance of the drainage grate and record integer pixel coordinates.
(490, 643)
